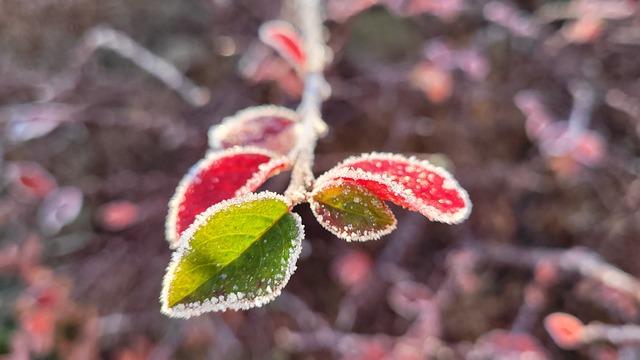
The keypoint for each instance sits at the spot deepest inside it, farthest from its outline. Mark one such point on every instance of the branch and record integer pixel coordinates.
(315, 91)
(118, 42)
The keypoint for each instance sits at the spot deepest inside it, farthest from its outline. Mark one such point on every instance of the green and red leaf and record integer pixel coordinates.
(219, 176)
(351, 211)
(238, 254)
(267, 127)
(414, 184)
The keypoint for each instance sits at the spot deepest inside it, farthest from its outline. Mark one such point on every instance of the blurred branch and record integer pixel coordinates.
(105, 37)
(575, 260)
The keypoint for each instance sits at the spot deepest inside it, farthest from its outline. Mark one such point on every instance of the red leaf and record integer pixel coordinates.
(30, 179)
(267, 127)
(286, 40)
(590, 148)
(118, 215)
(414, 184)
(352, 268)
(566, 330)
(219, 176)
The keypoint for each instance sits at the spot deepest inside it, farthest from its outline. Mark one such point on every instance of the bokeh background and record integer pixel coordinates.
(532, 104)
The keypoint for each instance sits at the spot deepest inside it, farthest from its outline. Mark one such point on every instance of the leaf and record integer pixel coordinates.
(351, 211)
(219, 176)
(31, 121)
(565, 330)
(118, 215)
(28, 179)
(61, 207)
(286, 40)
(414, 184)
(238, 254)
(267, 127)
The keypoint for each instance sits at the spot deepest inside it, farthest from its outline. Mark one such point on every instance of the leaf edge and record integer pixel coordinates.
(187, 311)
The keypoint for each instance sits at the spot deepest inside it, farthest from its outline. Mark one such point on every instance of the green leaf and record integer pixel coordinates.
(238, 254)
(351, 211)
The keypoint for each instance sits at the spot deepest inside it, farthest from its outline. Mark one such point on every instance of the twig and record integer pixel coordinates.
(578, 260)
(105, 37)
(315, 90)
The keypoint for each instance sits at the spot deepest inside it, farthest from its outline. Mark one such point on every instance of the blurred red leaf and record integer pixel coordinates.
(352, 268)
(259, 64)
(565, 330)
(411, 183)
(267, 127)
(436, 83)
(30, 179)
(219, 176)
(286, 40)
(590, 148)
(118, 215)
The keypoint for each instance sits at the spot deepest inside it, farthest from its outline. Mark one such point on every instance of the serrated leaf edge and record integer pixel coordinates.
(232, 301)
(217, 132)
(342, 170)
(277, 161)
(339, 232)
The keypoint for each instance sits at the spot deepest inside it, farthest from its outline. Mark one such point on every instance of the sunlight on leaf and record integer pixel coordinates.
(351, 211)
(219, 176)
(237, 255)
(414, 184)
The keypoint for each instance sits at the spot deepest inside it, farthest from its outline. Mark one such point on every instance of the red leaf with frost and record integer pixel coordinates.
(267, 127)
(286, 40)
(565, 330)
(414, 184)
(219, 176)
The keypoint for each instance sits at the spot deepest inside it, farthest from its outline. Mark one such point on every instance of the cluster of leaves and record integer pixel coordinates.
(236, 249)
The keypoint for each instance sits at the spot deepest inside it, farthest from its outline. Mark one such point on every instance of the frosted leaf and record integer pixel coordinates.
(251, 272)
(350, 211)
(286, 40)
(268, 127)
(219, 176)
(414, 184)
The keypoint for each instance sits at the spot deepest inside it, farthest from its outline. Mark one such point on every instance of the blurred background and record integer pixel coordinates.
(532, 104)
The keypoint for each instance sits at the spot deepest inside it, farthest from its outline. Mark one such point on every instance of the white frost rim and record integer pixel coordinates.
(276, 161)
(219, 131)
(344, 170)
(339, 232)
(232, 301)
